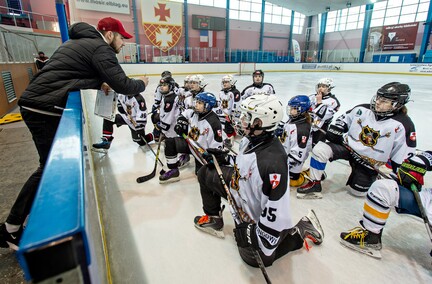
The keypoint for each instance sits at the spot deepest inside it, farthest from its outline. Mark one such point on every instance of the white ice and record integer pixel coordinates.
(149, 227)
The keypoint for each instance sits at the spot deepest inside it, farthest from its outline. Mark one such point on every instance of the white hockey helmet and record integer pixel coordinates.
(228, 78)
(325, 81)
(198, 79)
(265, 107)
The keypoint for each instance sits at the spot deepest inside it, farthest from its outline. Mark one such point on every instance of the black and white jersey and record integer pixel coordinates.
(158, 96)
(133, 110)
(228, 104)
(205, 129)
(379, 140)
(250, 90)
(259, 186)
(297, 141)
(323, 112)
(169, 112)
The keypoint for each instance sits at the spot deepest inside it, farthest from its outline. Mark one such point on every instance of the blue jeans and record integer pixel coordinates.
(43, 129)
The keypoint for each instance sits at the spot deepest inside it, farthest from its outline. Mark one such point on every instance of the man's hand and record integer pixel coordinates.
(145, 79)
(106, 88)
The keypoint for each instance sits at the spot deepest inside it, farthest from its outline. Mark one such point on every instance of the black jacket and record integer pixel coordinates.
(85, 61)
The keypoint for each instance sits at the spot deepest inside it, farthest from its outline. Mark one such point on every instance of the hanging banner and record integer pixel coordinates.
(112, 6)
(400, 37)
(297, 52)
(162, 22)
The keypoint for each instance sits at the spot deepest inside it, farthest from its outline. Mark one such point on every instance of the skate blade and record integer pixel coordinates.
(314, 195)
(220, 234)
(102, 151)
(171, 180)
(12, 246)
(316, 223)
(365, 250)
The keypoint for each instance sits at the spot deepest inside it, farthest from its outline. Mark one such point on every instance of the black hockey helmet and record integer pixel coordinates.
(258, 72)
(169, 81)
(398, 93)
(166, 73)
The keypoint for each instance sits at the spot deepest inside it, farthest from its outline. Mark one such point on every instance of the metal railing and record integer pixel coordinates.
(27, 19)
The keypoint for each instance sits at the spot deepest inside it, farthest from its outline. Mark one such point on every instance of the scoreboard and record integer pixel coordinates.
(200, 22)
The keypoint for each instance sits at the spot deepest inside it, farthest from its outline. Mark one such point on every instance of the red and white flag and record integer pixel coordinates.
(207, 38)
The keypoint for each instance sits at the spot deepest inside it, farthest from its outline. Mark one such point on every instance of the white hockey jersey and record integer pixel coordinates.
(169, 112)
(133, 110)
(228, 103)
(392, 138)
(259, 186)
(323, 112)
(205, 129)
(250, 90)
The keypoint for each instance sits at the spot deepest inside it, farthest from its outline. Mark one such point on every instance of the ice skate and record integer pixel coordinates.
(9, 240)
(103, 146)
(212, 225)
(169, 176)
(311, 190)
(310, 228)
(183, 160)
(363, 241)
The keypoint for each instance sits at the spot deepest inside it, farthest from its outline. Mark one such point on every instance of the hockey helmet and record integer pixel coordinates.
(198, 79)
(267, 108)
(167, 81)
(258, 82)
(397, 93)
(229, 79)
(208, 99)
(301, 103)
(326, 82)
(166, 73)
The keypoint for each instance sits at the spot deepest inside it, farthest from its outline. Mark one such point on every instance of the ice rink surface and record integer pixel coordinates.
(149, 227)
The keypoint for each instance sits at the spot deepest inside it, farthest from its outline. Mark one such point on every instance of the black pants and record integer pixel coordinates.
(43, 129)
(108, 128)
(212, 192)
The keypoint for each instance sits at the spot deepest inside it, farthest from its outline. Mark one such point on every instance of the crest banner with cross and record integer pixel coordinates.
(162, 22)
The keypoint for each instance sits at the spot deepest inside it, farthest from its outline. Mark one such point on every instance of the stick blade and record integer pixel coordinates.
(147, 177)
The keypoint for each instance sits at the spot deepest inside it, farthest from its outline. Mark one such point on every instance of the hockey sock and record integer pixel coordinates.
(375, 213)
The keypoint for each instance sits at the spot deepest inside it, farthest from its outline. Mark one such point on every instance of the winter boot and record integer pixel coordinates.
(10, 240)
(310, 228)
(183, 160)
(211, 224)
(362, 240)
(311, 190)
(102, 146)
(170, 176)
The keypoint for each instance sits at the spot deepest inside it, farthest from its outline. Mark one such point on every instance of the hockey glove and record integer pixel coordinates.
(245, 235)
(411, 172)
(221, 156)
(279, 130)
(181, 126)
(155, 109)
(292, 162)
(335, 133)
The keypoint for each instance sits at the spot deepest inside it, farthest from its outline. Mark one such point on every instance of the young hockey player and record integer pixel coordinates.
(132, 112)
(324, 106)
(378, 131)
(183, 92)
(228, 106)
(196, 86)
(296, 137)
(385, 194)
(157, 103)
(201, 125)
(259, 185)
(258, 86)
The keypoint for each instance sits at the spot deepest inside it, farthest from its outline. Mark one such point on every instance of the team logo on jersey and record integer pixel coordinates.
(219, 133)
(224, 103)
(413, 136)
(304, 139)
(142, 105)
(163, 22)
(275, 180)
(359, 112)
(235, 178)
(194, 133)
(283, 137)
(368, 136)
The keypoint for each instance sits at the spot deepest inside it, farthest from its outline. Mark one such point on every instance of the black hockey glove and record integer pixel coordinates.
(411, 171)
(181, 126)
(279, 130)
(335, 133)
(221, 156)
(154, 109)
(245, 235)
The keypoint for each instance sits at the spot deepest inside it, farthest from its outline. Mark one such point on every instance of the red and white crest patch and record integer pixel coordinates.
(413, 136)
(275, 180)
(304, 139)
(219, 133)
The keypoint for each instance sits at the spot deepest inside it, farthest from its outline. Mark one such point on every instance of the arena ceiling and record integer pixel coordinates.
(315, 7)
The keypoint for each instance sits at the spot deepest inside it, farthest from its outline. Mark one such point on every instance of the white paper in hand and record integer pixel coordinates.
(105, 105)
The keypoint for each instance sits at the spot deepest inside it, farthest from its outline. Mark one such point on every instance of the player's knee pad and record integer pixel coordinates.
(360, 180)
(322, 152)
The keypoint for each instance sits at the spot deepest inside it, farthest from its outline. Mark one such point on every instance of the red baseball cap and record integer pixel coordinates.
(114, 25)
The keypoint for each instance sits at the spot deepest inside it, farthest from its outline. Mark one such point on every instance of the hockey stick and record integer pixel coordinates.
(195, 149)
(414, 189)
(151, 149)
(153, 173)
(239, 217)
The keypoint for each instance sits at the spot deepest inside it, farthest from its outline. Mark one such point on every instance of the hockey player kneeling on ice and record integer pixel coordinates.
(133, 113)
(295, 136)
(385, 194)
(258, 183)
(258, 86)
(201, 125)
(374, 132)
